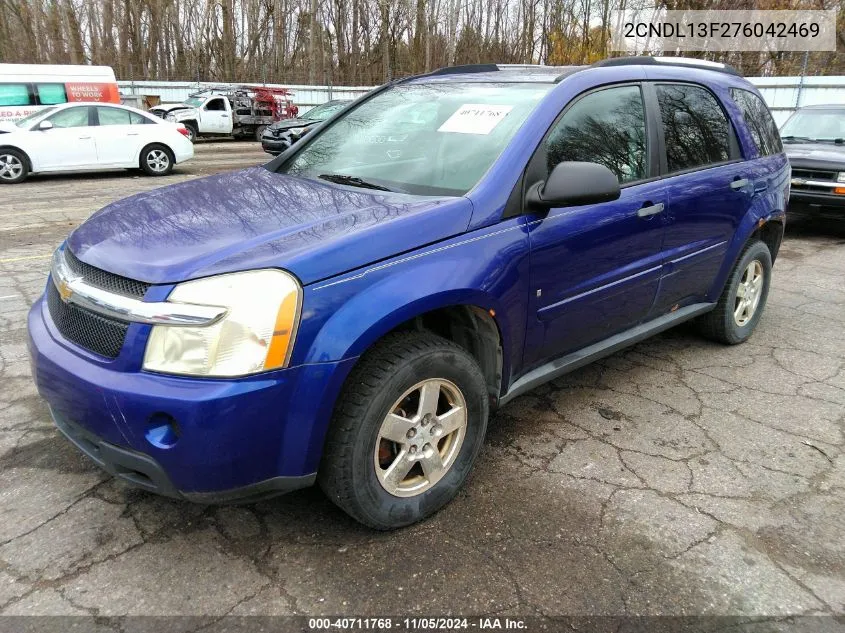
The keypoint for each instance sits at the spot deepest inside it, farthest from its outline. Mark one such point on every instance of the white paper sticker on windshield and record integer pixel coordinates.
(475, 118)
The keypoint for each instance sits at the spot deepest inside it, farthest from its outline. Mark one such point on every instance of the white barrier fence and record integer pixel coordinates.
(783, 94)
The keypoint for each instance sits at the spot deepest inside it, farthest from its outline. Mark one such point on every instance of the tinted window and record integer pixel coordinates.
(696, 130)
(605, 127)
(70, 117)
(113, 116)
(759, 121)
(51, 94)
(215, 104)
(14, 94)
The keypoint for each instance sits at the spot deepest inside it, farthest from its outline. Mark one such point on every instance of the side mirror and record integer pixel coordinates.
(45, 125)
(572, 183)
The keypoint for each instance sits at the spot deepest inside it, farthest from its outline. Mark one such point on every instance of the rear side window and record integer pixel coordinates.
(14, 95)
(696, 130)
(113, 116)
(51, 94)
(759, 120)
(605, 127)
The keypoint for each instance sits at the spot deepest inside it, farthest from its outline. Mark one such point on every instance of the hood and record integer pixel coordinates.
(286, 124)
(816, 155)
(258, 219)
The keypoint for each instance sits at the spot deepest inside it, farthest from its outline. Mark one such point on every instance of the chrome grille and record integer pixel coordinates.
(91, 331)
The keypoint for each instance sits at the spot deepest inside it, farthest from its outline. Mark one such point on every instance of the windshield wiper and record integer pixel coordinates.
(354, 181)
(795, 138)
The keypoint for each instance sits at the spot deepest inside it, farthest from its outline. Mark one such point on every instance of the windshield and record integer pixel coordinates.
(195, 102)
(322, 112)
(817, 125)
(427, 139)
(29, 120)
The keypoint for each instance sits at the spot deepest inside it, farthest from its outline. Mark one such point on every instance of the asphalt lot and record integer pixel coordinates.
(677, 477)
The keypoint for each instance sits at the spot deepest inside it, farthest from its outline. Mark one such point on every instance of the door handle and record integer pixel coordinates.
(85, 137)
(131, 134)
(739, 184)
(648, 211)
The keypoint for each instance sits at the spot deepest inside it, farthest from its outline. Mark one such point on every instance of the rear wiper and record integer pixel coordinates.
(342, 179)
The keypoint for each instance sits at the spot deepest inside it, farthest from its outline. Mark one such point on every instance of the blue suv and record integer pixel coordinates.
(351, 312)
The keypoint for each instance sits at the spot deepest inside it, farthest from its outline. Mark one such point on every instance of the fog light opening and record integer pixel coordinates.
(163, 430)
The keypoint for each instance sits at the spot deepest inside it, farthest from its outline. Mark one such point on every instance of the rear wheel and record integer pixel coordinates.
(406, 431)
(157, 160)
(14, 167)
(742, 302)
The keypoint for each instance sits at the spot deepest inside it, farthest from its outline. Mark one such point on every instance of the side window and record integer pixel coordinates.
(605, 127)
(71, 117)
(112, 116)
(215, 105)
(696, 130)
(51, 94)
(759, 120)
(14, 95)
(137, 119)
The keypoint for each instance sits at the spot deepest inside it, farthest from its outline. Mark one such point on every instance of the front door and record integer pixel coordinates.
(595, 268)
(216, 117)
(68, 145)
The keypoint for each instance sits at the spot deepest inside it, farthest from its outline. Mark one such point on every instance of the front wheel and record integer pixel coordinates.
(259, 132)
(741, 305)
(156, 160)
(406, 431)
(13, 166)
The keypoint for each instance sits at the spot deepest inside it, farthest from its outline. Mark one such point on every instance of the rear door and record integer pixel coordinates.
(595, 268)
(708, 186)
(117, 140)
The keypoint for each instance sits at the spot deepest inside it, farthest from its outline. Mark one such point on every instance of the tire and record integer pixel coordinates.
(14, 166)
(156, 160)
(357, 460)
(259, 132)
(192, 131)
(729, 322)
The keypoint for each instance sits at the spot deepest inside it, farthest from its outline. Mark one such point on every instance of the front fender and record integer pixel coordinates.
(344, 317)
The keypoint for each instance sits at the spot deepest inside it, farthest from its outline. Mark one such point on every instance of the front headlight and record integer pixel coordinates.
(841, 177)
(297, 130)
(170, 117)
(255, 335)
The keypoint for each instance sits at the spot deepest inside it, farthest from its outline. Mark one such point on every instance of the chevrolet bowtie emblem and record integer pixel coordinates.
(65, 291)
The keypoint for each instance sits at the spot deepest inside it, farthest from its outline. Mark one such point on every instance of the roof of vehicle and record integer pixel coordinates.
(824, 106)
(499, 73)
(520, 73)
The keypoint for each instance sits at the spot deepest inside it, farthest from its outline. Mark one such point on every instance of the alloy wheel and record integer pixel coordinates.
(421, 437)
(158, 160)
(748, 293)
(11, 167)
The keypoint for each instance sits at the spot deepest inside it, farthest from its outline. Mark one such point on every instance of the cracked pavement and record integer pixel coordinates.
(679, 477)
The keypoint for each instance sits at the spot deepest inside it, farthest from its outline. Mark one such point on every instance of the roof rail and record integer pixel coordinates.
(691, 62)
(466, 68)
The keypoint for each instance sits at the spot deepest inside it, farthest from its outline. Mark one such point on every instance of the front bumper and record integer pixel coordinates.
(816, 204)
(274, 145)
(207, 440)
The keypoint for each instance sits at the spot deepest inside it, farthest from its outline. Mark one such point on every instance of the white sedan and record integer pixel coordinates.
(90, 136)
